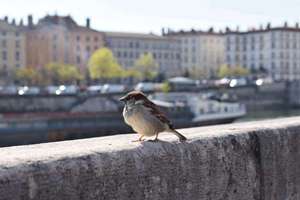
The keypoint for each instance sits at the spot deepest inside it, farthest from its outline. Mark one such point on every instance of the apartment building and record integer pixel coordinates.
(60, 39)
(202, 52)
(275, 50)
(128, 47)
(12, 46)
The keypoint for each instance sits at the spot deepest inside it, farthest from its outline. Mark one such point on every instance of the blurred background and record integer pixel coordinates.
(64, 64)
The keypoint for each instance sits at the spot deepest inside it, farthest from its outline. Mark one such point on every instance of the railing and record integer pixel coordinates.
(243, 161)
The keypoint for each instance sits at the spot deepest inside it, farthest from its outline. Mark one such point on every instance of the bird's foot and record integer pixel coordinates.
(155, 140)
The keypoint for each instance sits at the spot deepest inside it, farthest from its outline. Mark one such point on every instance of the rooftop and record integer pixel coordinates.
(133, 35)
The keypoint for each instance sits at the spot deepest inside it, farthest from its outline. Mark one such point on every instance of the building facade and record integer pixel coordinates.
(61, 40)
(12, 47)
(202, 52)
(128, 47)
(273, 50)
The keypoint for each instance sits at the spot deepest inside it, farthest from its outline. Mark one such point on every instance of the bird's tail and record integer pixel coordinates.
(179, 135)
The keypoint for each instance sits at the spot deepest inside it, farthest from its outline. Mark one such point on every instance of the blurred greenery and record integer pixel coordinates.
(166, 87)
(28, 75)
(61, 73)
(225, 71)
(146, 66)
(103, 65)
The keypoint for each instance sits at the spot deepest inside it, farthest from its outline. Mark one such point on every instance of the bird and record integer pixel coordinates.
(145, 118)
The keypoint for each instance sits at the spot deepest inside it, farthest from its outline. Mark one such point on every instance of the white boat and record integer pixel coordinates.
(206, 108)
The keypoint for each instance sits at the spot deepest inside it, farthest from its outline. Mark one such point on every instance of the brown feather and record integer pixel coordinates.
(157, 113)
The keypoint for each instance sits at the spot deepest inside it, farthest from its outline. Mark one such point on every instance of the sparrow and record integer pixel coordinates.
(145, 118)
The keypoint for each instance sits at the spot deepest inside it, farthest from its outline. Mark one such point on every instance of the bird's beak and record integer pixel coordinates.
(122, 98)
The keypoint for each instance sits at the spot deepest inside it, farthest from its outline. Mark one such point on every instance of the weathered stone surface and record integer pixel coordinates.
(245, 161)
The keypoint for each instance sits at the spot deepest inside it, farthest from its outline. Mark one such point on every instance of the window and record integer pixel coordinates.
(96, 39)
(17, 43)
(88, 48)
(130, 44)
(4, 43)
(3, 33)
(166, 56)
(273, 65)
(273, 55)
(78, 60)
(87, 38)
(78, 38)
(17, 34)
(17, 55)
(4, 55)
(55, 37)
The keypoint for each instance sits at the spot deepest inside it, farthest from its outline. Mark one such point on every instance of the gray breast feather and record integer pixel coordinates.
(142, 121)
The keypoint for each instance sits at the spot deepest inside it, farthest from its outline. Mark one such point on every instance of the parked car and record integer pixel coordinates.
(25, 90)
(112, 88)
(238, 82)
(145, 87)
(10, 90)
(67, 89)
(51, 89)
(94, 89)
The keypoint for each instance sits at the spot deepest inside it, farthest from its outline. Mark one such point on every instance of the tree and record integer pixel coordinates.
(28, 75)
(224, 71)
(239, 71)
(166, 87)
(61, 73)
(131, 73)
(146, 66)
(102, 64)
(69, 74)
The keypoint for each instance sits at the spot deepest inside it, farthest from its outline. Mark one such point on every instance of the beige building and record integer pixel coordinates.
(274, 50)
(12, 47)
(127, 48)
(61, 40)
(202, 52)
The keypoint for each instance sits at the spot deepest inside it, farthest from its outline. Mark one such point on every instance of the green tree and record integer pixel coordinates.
(239, 71)
(166, 87)
(61, 73)
(131, 73)
(224, 71)
(28, 75)
(69, 74)
(102, 64)
(146, 66)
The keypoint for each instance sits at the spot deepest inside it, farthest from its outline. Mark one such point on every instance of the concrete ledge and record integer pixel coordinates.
(244, 161)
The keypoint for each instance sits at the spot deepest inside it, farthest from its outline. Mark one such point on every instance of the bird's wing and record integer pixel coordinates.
(157, 113)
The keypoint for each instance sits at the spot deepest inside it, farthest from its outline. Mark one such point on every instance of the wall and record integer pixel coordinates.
(245, 161)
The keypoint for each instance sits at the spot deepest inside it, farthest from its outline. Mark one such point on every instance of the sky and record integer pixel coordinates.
(150, 16)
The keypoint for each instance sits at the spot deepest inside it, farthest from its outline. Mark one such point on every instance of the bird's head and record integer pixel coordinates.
(133, 97)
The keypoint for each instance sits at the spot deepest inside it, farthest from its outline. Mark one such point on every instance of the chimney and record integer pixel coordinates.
(13, 22)
(30, 20)
(285, 24)
(163, 31)
(88, 22)
(6, 19)
(269, 26)
(237, 29)
(227, 29)
(297, 25)
(21, 22)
